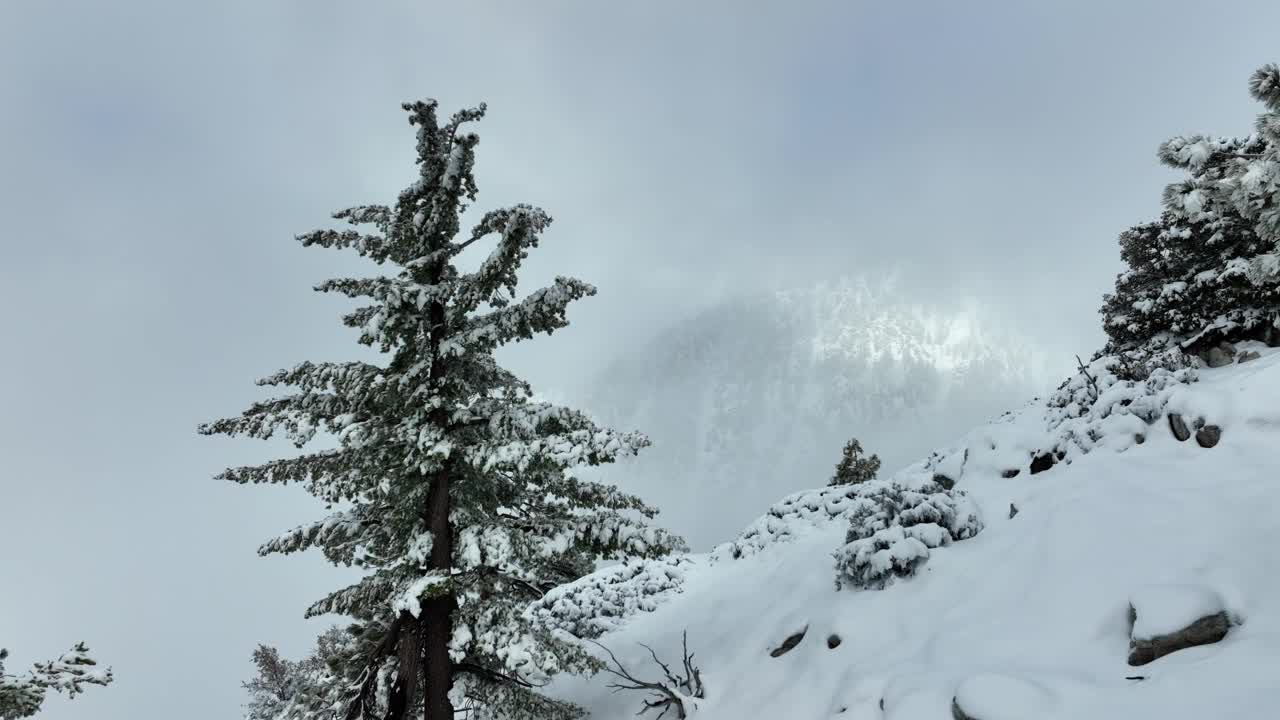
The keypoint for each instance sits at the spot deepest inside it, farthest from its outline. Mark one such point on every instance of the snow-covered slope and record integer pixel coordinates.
(1030, 617)
(754, 398)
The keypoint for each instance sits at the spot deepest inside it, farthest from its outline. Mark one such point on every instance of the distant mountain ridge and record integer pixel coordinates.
(754, 397)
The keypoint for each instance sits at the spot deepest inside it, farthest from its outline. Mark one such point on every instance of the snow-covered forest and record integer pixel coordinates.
(958, 460)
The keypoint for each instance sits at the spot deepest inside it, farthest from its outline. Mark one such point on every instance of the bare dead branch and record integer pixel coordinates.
(1093, 382)
(663, 696)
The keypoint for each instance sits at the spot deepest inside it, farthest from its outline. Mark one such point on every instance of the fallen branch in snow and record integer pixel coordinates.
(1093, 382)
(673, 693)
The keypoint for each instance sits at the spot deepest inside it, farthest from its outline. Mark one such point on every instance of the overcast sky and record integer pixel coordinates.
(156, 159)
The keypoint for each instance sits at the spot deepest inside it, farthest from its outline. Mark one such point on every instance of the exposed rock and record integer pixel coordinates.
(1207, 630)
(946, 482)
(1217, 357)
(1042, 462)
(1011, 472)
(1167, 618)
(789, 644)
(1139, 438)
(1013, 510)
(1179, 427)
(833, 641)
(1208, 436)
(1247, 356)
(959, 714)
(1271, 335)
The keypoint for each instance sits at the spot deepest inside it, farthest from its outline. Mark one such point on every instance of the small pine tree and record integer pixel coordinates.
(22, 695)
(853, 468)
(1209, 269)
(453, 487)
(307, 689)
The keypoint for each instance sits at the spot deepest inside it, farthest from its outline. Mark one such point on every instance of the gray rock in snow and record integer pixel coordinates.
(1207, 630)
(958, 713)
(1247, 356)
(1042, 462)
(789, 644)
(1179, 427)
(1208, 436)
(1218, 357)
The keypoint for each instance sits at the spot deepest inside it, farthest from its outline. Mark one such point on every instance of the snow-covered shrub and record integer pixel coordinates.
(1105, 407)
(892, 529)
(603, 600)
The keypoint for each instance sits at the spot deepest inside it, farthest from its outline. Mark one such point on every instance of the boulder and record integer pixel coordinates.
(1205, 631)
(789, 644)
(1217, 357)
(958, 713)
(1248, 356)
(1010, 473)
(1208, 436)
(1042, 462)
(1178, 427)
(1271, 335)
(1168, 618)
(833, 641)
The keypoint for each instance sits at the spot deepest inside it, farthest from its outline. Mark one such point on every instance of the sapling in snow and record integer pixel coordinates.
(450, 485)
(853, 468)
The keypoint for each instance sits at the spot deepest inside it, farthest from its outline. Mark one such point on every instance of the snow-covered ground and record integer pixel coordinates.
(1030, 617)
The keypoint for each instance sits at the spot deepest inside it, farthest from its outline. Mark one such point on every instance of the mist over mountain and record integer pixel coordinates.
(754, 397)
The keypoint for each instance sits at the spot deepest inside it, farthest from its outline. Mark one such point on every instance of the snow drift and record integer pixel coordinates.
(1083, 503)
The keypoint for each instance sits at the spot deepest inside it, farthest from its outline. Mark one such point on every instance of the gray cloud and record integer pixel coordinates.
(156, 158)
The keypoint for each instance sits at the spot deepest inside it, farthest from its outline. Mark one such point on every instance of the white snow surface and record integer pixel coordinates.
(1029, 618)
(992, 696)
(1165, 609)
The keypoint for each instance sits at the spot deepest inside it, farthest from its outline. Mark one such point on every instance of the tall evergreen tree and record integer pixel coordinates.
(1209, 269)
(22, 695)
(452, 486)
(853, 468)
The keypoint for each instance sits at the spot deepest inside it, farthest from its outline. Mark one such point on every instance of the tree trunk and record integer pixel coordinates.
(409, 654)
(437, 621)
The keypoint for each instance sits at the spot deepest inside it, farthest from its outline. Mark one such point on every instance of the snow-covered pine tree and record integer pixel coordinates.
(1209, 269)
(296, 690)
(453, 486)
(22, 695)
(853, 468)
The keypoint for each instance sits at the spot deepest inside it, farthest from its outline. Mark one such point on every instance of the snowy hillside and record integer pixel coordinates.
(754, 398)
(1029, 616)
